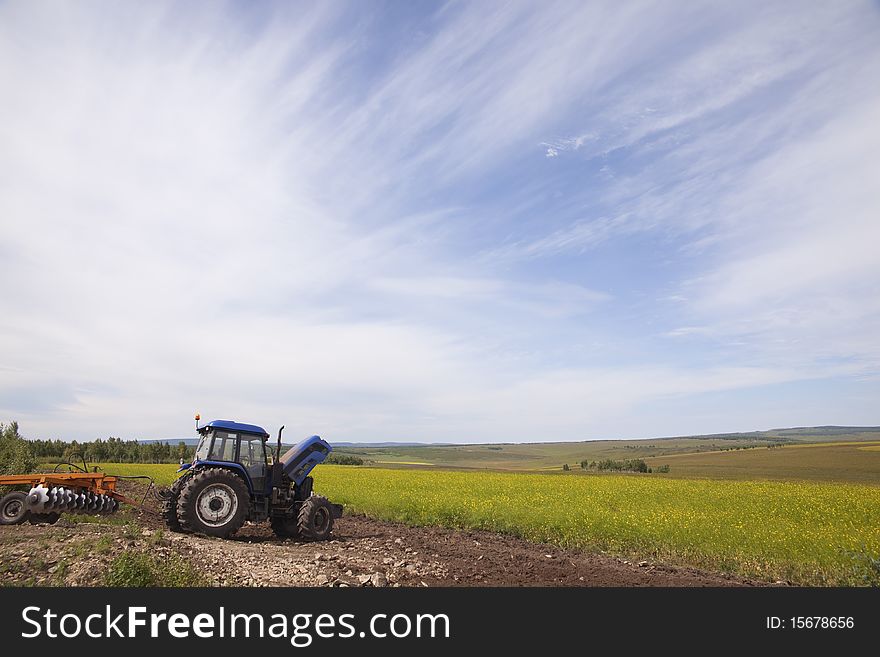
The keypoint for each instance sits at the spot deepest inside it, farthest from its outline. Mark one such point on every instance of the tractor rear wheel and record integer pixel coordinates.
(315, 519)
(13, 510)
(285, 527)
(169, 506)
(213, 502)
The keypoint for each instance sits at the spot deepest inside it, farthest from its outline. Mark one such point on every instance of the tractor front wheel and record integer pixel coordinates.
(315, 519)
(13, 509)
(213, 502)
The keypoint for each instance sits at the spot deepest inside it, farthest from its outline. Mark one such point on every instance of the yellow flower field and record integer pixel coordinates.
(805, 532)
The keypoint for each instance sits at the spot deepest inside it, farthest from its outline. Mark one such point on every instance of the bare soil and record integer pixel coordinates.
(363, 552)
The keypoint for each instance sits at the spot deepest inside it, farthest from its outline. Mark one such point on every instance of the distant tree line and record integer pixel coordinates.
(112, 450)
(343, 459)
(770, 446)
(623, 465)
(19, 454)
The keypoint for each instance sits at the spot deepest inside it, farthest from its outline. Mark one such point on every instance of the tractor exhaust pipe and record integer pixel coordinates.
(278, 447)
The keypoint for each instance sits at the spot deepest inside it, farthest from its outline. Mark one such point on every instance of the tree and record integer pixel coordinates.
(73, 452)
(16, 456)
(182, 451)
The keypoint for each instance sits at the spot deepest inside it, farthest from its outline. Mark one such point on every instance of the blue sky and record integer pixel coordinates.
(439, 221)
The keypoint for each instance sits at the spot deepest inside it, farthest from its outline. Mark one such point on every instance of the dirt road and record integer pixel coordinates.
(364, 552)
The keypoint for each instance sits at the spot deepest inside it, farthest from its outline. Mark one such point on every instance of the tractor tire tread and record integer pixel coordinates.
(169, 507)
(186, 501)
(305, 518)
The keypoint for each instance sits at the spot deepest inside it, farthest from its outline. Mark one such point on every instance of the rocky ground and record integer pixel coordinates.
(364, 552)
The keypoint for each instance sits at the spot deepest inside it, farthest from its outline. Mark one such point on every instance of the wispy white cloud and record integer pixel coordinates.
(314, 216)
(556, 146)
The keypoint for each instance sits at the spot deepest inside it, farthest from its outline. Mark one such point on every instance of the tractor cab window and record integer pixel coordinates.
(223, 448)
(252, 451)
(204, 446)
(252, 455)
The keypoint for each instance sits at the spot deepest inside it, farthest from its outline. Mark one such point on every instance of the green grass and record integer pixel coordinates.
(140, 569)
(805, 532)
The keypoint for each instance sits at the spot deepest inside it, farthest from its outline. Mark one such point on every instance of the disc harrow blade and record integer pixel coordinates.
(38, 498)
(58, 499)
(80, 502)
(70, 504)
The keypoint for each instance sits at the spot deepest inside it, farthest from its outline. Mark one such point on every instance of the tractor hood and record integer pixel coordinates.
(299, 460)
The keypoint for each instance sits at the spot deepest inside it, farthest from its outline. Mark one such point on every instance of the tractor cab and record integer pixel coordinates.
(226, 442)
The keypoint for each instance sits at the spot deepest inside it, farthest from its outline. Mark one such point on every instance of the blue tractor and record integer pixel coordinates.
(232, 480)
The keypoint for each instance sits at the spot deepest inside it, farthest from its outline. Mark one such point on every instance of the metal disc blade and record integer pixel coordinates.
(33, 497)
(39, 497)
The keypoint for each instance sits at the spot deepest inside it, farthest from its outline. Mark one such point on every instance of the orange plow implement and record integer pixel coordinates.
(51, 494)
